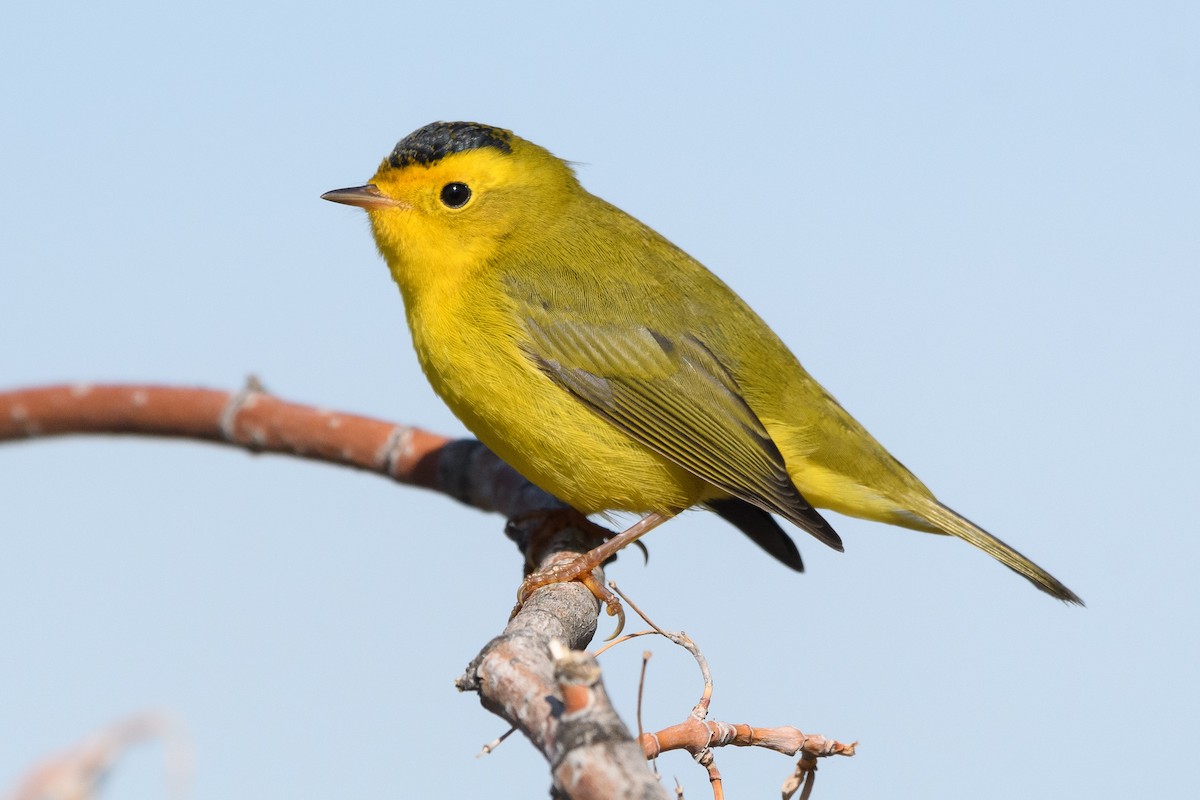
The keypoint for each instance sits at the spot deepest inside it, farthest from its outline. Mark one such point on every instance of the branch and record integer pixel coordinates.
(76, 773)
(552, 695)
(515, 673)
(530, 677)
(698, 735)
(258, 422)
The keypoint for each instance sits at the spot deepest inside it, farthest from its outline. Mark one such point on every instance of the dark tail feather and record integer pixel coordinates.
(949, 521)
(761, 527)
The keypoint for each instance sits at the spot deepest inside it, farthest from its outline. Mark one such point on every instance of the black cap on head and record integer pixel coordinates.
(438, 139)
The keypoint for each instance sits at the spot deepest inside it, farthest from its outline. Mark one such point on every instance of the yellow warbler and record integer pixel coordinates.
(612, 369)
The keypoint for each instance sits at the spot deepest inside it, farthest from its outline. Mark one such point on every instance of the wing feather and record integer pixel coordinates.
(673, 395)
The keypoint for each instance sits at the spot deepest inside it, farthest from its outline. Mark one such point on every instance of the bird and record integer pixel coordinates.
(612, 369)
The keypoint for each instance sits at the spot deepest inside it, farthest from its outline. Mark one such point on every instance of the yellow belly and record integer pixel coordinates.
(538, 428)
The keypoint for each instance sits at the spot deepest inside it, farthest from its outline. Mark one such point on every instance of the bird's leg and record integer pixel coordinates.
(534, 531)
(581, 568)
(537, 533)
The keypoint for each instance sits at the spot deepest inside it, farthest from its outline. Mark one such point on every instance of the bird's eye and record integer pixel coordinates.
(456, 195)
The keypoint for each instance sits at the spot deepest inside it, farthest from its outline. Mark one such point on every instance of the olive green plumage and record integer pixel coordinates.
(608, 366)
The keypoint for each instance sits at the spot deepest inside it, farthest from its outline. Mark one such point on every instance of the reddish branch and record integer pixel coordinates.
(696, 735)
(251, 419)
(514, 675)
(261, 423)
(558, 703)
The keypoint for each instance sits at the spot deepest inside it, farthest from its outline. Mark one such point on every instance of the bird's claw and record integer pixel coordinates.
(645, 552)
(581, 568)
(615, 609)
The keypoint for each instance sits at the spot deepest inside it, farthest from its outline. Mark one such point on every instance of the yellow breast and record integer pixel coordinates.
(466, 340)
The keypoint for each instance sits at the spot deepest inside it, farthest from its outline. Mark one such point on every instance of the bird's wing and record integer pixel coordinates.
(672, 394)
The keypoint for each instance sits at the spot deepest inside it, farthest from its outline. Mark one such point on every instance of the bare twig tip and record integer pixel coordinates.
(494, 743)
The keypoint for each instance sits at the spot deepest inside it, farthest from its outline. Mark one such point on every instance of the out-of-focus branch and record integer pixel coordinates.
(75, 773)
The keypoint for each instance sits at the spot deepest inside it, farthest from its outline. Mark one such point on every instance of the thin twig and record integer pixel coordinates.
(494, 743)
(641, 692)
(700, 710)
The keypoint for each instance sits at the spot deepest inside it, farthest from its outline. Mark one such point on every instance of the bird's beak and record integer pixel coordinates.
(368, 197)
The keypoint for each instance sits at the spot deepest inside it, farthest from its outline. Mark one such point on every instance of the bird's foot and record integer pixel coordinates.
(582, 568)
(536, 530)
(535, 533)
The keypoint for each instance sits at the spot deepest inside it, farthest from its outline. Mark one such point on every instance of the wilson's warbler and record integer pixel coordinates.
(609, 367)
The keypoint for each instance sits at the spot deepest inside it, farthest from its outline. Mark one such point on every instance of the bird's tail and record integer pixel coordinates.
(948, 521)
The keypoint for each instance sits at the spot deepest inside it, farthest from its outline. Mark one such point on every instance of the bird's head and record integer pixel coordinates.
(451, 194)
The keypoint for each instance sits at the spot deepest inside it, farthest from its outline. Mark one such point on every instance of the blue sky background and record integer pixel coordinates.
(976, 224)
